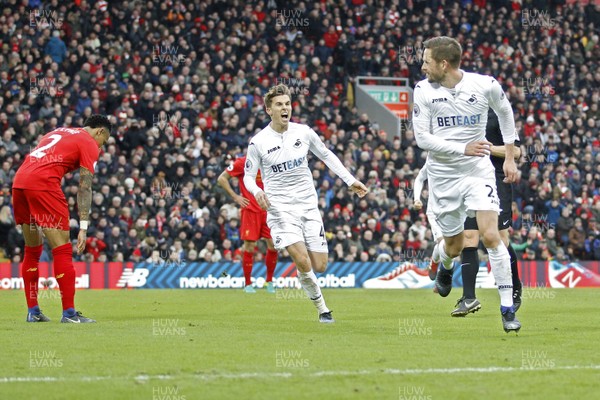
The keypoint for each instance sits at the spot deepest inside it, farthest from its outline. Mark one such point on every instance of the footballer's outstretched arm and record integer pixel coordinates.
(319, 149)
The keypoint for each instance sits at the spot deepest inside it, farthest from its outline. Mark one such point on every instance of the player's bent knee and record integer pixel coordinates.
(320, 267)
(249, 245)
(453, 251)
(471, 238)
(472, 242)
(490, 239)
(56, 237)
(453, 245)
(303, 267)
(303, 264)
(318, 261)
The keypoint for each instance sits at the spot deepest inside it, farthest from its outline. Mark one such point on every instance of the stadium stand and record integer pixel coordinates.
(183, 84)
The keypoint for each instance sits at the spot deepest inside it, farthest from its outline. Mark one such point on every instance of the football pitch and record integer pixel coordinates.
(225, 344)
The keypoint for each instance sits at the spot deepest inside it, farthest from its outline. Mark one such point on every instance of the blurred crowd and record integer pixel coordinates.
(183, 84)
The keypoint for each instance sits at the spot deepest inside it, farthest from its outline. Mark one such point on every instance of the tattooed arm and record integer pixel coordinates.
(84, 194)
(84, 203)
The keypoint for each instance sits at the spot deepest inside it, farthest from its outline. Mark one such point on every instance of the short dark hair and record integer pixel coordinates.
(277, 90)
(98, 121)
(444, 48)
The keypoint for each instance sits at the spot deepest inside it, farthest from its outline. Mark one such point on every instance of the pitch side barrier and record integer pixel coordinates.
(229, 275)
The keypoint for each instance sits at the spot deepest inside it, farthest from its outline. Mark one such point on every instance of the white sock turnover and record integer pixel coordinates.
(500, 263)
(308, 280)
(446, 260)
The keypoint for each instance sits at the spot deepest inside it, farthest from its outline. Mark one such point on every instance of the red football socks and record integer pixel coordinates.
(65, 274)
(31, 273)
(247, 263)
(271, 263)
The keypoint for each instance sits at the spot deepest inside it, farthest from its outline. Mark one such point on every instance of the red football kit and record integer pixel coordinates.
(253, 225)
(37, 194)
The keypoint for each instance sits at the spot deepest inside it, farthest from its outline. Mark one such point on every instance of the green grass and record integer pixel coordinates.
(225, 344)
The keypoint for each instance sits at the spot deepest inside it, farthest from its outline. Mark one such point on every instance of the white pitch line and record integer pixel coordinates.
(268, 375)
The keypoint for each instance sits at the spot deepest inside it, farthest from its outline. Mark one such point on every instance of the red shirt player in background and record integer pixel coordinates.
(40, 206)
(253, 224)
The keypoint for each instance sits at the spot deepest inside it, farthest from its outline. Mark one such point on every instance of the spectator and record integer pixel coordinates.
(113, 69)
(6, 222)
(577, 237)
(210, 253)
(592, 247)
(176, 252)
(115, 242)
(56, 48)
(232, 232)
(551, 243)
(131, 244)
(192, 255)
(554, 211)
(95, 245)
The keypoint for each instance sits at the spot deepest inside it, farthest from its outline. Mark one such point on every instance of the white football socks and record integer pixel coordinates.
(308, 280)
(447, 262)
(500, 263)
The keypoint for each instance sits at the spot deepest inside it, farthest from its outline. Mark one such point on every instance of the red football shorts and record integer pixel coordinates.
(47, 209)
(254, 225)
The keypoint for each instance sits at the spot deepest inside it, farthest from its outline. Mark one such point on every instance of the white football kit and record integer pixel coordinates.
(445, 121)
(282, 159)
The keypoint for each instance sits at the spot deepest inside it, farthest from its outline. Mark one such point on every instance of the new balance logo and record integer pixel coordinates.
(133, 278)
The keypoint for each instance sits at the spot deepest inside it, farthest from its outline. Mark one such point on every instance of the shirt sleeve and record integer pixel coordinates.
(236, 168)
(88, 155)
(318, 148)
(423, 131)
(501, 106)
(419, 182)
(251, 169)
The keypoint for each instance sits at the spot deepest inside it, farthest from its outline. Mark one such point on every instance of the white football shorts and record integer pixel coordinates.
(436, 231)
(451, 200)
(293, 226)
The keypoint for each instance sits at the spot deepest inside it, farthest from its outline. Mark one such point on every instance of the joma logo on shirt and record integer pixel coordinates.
(288, 165)
(273, 149)
(441, 99)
